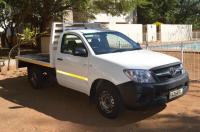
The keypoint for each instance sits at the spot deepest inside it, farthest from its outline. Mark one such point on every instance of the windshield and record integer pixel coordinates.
(110, 42)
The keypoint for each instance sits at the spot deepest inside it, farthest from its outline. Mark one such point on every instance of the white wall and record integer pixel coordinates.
(172, 33)
(102, 17)
(151, 33)
(134, 31)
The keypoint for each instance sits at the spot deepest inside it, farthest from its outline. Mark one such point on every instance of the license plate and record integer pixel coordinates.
(175, 93)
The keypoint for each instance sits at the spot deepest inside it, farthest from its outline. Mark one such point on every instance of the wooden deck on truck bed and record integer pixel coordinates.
(37, 59)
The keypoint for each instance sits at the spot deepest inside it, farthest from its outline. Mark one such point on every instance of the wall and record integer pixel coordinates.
(134, 31)
(103, 17)
(174, 33)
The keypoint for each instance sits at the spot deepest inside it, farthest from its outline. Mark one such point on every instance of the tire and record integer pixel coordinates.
(108, 101)
(35, 77)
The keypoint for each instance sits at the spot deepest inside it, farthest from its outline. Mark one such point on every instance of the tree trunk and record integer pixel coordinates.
(12, 37)
(5, 40)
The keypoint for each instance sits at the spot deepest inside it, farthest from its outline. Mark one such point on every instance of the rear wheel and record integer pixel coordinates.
(109, 102)
(35, 77)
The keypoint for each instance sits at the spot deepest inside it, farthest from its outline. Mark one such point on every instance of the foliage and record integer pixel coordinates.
(5, 11)
(118, 7)
(4, 14)
(44, 11)
(157, 24)
(170, 11)
(157, 10)
(28, 36)
(11, 17)
(83, 10)
(41, 12)
(38, 14)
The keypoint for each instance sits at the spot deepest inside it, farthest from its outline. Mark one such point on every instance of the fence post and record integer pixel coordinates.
(146, 40)
(182, 51)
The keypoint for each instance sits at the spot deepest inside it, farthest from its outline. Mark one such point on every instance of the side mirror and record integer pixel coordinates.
(138, 44)
(80, 52)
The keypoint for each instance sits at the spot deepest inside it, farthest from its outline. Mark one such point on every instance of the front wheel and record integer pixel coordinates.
(109, 102)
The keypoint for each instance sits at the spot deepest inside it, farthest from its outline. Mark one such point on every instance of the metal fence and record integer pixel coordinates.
(196, 35)
(189, 54)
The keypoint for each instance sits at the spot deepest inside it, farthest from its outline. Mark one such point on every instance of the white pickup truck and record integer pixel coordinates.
(109, 67)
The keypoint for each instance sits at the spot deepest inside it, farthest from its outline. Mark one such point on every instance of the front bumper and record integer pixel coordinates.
(135, 94)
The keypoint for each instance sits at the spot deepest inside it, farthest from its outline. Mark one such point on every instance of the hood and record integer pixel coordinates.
(138, 59)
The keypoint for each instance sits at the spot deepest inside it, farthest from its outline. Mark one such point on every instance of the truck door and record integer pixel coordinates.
(71, 70)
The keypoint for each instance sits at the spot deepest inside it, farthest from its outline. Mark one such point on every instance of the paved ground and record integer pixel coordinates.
(60, 109)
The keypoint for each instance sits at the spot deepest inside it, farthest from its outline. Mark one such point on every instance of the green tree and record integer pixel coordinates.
(157, 10)
(118, 7)
(188, 11)
(40, 13)
(44, 11)
(4, 17)
(83, 10)
(170, 11)
(11, 17)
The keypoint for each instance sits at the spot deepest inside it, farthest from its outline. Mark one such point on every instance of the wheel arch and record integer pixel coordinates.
(96, 84)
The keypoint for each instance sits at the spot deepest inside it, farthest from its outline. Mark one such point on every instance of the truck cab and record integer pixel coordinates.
(109, 67)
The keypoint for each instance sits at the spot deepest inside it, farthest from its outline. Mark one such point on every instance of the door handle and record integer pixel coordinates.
(60, 59)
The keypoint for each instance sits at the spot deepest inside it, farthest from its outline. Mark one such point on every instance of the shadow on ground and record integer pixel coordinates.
(65, 104)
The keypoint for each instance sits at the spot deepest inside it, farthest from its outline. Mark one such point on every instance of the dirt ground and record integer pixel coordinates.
(58, 109)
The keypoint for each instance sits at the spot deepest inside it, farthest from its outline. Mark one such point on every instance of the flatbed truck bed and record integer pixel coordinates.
(37, 59)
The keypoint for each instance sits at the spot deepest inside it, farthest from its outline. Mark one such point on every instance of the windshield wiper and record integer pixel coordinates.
(119, 50)
(122, 50)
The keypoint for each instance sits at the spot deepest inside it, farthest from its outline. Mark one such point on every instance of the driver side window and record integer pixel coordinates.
(121, 43)
(69, 43)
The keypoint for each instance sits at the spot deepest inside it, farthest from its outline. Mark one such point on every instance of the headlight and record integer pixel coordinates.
(139, 76)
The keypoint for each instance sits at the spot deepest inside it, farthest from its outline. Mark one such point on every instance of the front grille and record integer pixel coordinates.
(168, 72)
